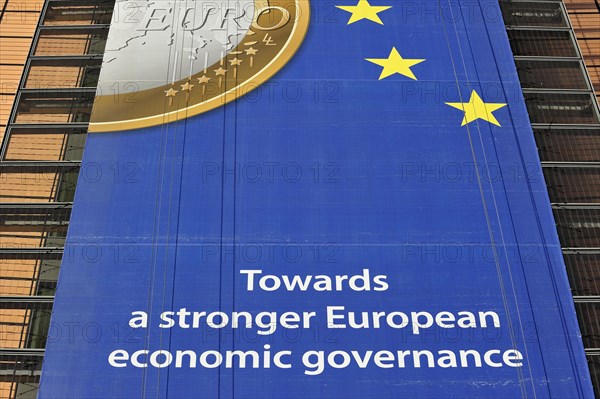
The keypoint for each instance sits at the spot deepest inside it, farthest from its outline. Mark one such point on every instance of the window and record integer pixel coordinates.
(594, 366)
(551, 75)
(573, 185)
(32, 227)
(71, 42)
(28, 276)
(81, 12)
(54, 144)
(542, 43)
(584, 273)
(62, 73)
(589, 322)
(42, 185)
(557, 108)
(575, 145)
(49, 107)
(533, 14)
(578, 227)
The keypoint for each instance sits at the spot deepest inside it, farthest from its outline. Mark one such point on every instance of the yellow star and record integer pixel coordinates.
(477, 109)
(363, 10)
(220, 71)
(235, 61)
(187, 86)
(171, 92)
(395, 64)
(203, 79)
(251, 51)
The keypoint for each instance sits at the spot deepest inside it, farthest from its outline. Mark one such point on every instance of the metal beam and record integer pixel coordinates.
(66, 90)
(26, 302)
(39, 127)
(586, 299)
(551, 126)
(21, 352)
(546, 164)
(36, 205)
(67, 57)
(580, 251)
(73, 27)
(26, 299)
(54, 253)
(570, 205)
(37, 166)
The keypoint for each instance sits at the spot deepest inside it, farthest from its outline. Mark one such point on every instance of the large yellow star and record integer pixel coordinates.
(477, 109)
(363, 10)
(394, 63)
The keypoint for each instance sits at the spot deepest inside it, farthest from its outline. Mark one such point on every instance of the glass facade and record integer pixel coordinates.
(563, 110)
(45, 132)
(40, 155)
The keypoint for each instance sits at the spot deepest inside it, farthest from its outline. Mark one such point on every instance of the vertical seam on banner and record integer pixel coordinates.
(234, 241)
(173, 127)
(510, 216)
(482, 195)
(158, 211)
(155, 229)
(178, 217)
(179, 205)
(177, 131)
(222, 216)
(508, 263)
(221, 246)
(165, 130)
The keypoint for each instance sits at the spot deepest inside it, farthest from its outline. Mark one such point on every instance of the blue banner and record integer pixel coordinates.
(335, 200)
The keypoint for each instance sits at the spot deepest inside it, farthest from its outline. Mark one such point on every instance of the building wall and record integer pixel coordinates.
(585, 18)
(39, 159)
(18, 20)
(557, 53)
(50, 76)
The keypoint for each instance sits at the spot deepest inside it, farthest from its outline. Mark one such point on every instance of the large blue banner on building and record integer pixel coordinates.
(294, 199)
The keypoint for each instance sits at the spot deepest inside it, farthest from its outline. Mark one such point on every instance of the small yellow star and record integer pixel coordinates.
(235, 61)
(395, 64)
(251, 51)
(364, 10)
(220, 71)
(171, 92)
(477, 109)
(203, 79)
(187, 86)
